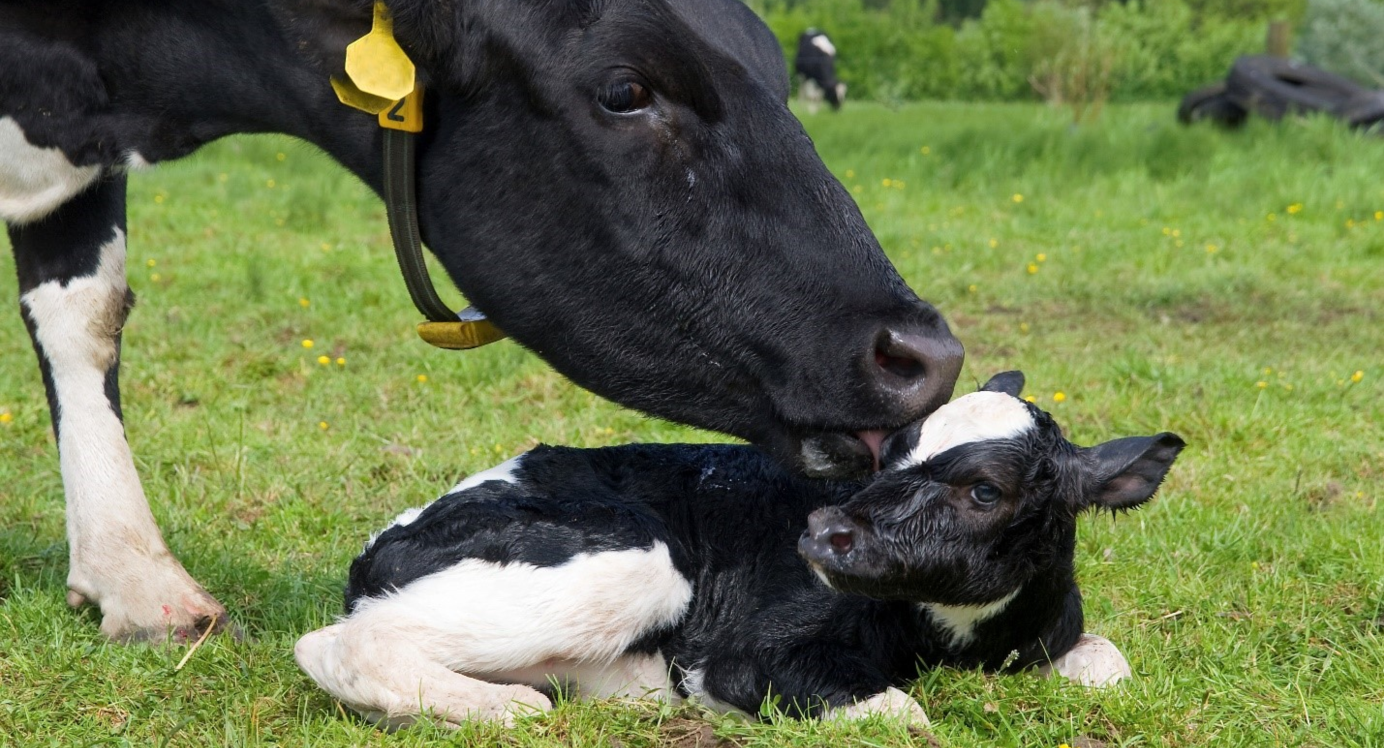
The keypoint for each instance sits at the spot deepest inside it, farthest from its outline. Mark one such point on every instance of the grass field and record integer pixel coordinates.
(1226, 286)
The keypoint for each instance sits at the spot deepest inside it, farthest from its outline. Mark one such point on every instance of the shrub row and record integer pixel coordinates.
(1152, 49)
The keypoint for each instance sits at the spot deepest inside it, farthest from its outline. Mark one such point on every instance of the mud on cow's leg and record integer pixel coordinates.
(74, 300)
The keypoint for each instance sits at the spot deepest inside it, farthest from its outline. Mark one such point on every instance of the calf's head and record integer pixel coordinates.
(977, 501)
(621, 187)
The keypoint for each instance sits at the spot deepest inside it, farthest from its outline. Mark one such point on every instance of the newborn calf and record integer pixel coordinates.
(708, 571)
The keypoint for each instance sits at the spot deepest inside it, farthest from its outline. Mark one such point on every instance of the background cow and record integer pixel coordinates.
(618, 185)
(678, 570)
(815, 65)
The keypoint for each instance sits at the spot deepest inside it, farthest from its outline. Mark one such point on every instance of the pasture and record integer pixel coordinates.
(1226, 286)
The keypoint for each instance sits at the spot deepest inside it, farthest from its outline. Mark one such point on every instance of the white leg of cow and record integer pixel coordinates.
(74, 299)
(472, 641)
(1093, 662)
(893, 703)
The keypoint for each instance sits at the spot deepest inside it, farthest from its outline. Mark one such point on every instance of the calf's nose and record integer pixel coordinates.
(913, 368)
(829, 536)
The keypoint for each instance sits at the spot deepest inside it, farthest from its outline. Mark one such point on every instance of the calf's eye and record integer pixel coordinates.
(624, 97)
(985, 493)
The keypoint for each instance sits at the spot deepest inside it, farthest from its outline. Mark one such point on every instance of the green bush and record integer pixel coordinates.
(1345, 37)
(905, 49)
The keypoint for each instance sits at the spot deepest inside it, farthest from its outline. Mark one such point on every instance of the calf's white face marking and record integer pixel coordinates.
(35, 181)
(975, 417)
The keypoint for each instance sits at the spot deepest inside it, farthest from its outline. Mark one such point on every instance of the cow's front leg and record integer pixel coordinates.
(74, 299)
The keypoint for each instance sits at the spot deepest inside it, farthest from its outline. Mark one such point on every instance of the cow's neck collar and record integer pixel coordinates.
(380, 79)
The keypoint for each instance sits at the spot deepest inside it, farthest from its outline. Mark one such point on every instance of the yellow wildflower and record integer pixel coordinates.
(280, 156)
(422, 378)
(1017, 198)
(340, 361)
(1023, 327)
(1261, 384)
(971, 288)
(1059, 397)
(6, 417)
(1211, 249)
(155, 277)
(307, 342)
(1032, 268)
(324, 360)
(925, 150)
(1294, 209)
(1042, 257)
(269, 183)
(1379, 215)
(322, 425)
(303, 302)
(850, 174)
(1357, 376)
(1030, 399)
(151, 262)
(994, 242)
(158, 199)
(885, 182)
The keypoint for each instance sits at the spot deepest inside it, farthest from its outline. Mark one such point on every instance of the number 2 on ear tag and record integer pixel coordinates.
(405, 114)
(376, 64)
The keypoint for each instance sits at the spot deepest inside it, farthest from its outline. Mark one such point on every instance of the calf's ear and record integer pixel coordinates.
(1124, 473)
(1008, 382)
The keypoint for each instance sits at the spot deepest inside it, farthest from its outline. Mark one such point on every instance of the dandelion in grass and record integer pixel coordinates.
(1059, 397)
(1032, 268)
(857, 189)
(994, 242)
(1167, 231)
(326, 247)
(1261, 384)
(1030, 399)
(158, 199)
(886, 182)
(322, 425)
(155, 277)
(269, 184)
(340, 361)
(1350, 223)
(303, 302)
(1379, 215)
(324, 360)
(280, 156)
(1018, 198)
(1041, 257)
(422, 378)
(1023, 328)
(151, 262)
(1268, 370)
(307, 342)
(1177, 233)
(1271, 217)
(850, 174)
(1211, 249)
(6, 416)
(1357, 377)
(971, 288)
(1294, 209)
(925, 150)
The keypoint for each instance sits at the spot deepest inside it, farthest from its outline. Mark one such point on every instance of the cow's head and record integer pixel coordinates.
(620, 186)
(976, 501)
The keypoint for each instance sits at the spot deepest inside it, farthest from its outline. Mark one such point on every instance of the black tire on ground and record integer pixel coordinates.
(1273, 87)
(1211, 104)
(1365, 111)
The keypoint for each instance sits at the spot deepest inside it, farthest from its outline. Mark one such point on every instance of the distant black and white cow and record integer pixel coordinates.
(678, 570)
(617, 184)
(815, 64)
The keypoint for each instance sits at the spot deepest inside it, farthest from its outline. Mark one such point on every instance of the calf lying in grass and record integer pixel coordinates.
(678, 570)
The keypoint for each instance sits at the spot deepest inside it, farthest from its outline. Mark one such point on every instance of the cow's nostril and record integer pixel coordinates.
(902, 367)
(913, 369)
(841, 542)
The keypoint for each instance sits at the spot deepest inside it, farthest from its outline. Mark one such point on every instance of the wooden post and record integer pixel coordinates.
(1280, 38)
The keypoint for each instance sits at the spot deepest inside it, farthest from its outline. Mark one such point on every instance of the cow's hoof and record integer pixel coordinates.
(1094, 662)
(180, 612)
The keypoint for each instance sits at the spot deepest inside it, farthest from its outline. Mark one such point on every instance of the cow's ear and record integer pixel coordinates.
(1124, 473)
(1008, 382)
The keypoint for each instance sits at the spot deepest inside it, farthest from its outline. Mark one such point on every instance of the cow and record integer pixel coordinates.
(709, 571)
(617, 184)
(815, 64)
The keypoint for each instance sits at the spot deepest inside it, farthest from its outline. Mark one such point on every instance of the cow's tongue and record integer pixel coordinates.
(873, 439)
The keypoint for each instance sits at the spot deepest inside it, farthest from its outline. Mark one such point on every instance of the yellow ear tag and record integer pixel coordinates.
(375, 62)
(351, 96)
(460, 336)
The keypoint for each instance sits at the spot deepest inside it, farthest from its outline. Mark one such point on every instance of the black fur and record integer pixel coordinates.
(694, 260)
(761, 621)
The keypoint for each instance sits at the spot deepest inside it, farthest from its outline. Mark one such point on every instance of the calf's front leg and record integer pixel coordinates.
(74, 300)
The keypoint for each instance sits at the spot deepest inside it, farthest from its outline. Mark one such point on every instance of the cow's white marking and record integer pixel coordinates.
(35, 181)
(975, 417)
(433, 642)
(1094, 662)
(892, 703)
(502, 472)
(823, 43)
(960, 621)
(694, 683)
(118, 558)
(135, 160)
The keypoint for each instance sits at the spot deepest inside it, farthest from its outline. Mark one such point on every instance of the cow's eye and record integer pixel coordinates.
(624, 97)
(985, 493)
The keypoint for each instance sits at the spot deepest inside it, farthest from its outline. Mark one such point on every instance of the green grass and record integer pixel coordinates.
(1249, 596)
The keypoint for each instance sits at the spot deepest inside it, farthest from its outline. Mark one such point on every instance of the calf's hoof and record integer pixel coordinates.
(892, 704)
(1094, 662)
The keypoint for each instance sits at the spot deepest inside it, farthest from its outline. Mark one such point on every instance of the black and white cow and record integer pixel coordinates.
(618, 184)
(678, 570)
(815, 64)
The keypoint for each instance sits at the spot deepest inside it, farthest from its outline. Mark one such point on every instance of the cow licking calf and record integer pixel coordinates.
(708, 571)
